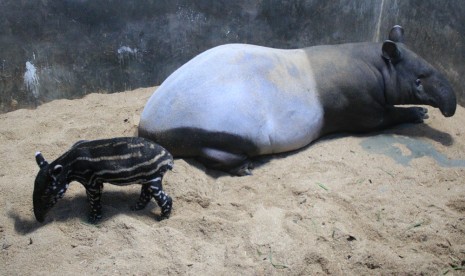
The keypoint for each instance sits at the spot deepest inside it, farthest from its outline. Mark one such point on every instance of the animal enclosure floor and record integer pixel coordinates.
(391, 202)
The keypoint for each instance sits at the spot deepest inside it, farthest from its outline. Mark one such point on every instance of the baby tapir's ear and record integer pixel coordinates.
(57, 170)
(40, 160)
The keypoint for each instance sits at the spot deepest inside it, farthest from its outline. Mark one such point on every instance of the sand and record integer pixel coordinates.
(392, 202)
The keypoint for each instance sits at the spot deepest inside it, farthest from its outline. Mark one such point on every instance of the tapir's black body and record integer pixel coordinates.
(237, 101)
(118, 161)
(364, 98)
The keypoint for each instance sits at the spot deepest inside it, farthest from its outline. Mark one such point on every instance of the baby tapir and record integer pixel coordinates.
(119, 161)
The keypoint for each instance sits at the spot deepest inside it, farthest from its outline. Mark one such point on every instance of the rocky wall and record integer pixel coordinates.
(53, 49)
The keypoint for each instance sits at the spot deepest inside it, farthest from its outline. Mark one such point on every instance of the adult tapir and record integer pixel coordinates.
(237, 101)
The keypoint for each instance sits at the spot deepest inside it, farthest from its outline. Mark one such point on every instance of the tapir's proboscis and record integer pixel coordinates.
(237, 101)
(119, 161)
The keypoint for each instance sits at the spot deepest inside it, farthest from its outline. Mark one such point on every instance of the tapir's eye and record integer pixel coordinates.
(418, 82)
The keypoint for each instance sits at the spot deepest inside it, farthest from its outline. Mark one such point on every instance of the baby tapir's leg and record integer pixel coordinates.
(154, 189)
(94, 194)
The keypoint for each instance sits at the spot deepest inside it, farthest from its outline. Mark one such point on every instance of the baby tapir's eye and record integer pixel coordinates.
(418, 82)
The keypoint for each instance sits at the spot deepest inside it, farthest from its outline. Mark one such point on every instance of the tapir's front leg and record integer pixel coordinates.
(402, 115)
(94, 194)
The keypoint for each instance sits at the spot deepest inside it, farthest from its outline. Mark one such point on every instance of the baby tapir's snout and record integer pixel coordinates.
(119, 161)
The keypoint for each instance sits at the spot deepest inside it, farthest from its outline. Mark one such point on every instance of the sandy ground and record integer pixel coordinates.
(388, 203)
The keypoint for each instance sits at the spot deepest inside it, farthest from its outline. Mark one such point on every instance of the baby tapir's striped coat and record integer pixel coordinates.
(118, 161)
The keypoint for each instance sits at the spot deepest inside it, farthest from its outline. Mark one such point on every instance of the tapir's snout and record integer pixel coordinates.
(448, 113)
(40, 212)
(40, 216)
(448, 108)
(446, 101)
(40, 208)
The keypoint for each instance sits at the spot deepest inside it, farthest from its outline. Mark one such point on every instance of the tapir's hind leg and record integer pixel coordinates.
(154, 189)
(234, 163)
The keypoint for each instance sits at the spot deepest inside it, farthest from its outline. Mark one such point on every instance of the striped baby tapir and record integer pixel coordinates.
(118, 161)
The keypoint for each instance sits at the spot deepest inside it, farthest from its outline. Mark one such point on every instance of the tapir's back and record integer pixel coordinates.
(263, 95)
(116, 159)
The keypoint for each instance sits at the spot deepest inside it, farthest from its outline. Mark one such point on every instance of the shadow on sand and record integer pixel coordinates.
(380, 142)
(113, 203)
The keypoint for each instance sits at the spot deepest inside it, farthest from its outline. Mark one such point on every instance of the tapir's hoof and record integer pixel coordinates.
(164, 216)
(166, 208)
(421, 114)
(94, 218)
(243, 170)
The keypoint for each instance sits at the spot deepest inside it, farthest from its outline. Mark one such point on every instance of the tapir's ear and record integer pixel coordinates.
(391, 51)
(396, 34)
(40, 160)
(57, 170)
